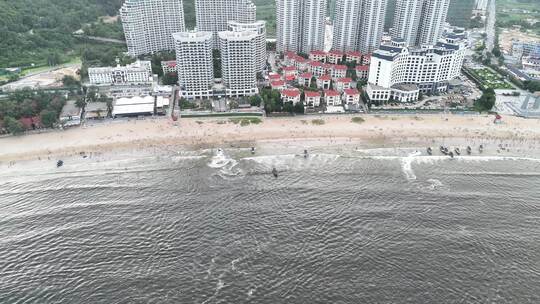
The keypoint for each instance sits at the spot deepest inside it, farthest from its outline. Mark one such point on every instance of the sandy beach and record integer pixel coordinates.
(212, 132)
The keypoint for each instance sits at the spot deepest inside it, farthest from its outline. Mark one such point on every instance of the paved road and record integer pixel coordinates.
(117, 41)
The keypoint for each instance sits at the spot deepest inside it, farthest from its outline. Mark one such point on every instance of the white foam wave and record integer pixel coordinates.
(226, 164)
(406, 165)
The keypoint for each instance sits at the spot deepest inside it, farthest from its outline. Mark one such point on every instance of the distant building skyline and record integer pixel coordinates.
(419, 22)
(300, 25)
(213, 15)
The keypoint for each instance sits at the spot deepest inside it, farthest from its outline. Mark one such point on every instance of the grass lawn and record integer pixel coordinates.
(74, 60)
(491, 79)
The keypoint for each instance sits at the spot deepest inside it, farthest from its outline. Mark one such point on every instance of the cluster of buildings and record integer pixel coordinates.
(416, 59)
(229, 26)
(323, 77)
(528, 54)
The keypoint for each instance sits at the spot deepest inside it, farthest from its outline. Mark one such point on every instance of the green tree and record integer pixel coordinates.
(48, 118)
(80, 102)
(532, 86)
(487, 101)
(13, 126)
(255, 101)
(70, 81)
(299, 108)
(170, 79)
(288, 107)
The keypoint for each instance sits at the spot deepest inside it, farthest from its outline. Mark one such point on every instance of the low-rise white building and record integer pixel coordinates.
(312, 99)
(168, 66)
(351, 97)
(139, 105)
(332, 98)
(324, 82)
(343, 84)
(139, 72)
(290, 95)
(305, 79)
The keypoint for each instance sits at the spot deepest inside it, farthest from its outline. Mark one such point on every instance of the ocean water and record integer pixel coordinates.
(377, 226)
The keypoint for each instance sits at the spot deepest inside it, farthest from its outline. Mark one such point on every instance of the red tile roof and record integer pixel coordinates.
(346, 79)
(331, 93)
(290, 54)
(362, 67)
(289, 68)
(328, 66)
(354, 54)
(290, 78)
(325, 77)
(274, 76)
(335, 53)
(306, 75)
(315, 63)
(291, 93)
(320, 53)
(312, 94)
(171, 64)
(351, 92)
(340, 67)
(277, 83)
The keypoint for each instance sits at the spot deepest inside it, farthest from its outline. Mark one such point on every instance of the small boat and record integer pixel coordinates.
(274, 172)
(481, 148)
(457, 151)
(305, 153)
(469, 150)
(252, 150)
(429, 151)
(451, 154)
(59, 163)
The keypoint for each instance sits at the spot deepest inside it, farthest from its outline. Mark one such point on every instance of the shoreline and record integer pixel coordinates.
(202, 133)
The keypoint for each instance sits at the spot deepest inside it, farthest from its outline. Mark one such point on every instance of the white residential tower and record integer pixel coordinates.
(213, 15)
(300, 25)
(149, 24)
(194, 63)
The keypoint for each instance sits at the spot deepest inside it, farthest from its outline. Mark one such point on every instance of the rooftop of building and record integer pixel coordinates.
(325, 77)
(291, 93)
(318, 53)
(312, 93)
(351, 91)
(362, 67)
(344, 79)
(70, 109)
(331, 93)
(354, 54)
(277, 83)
